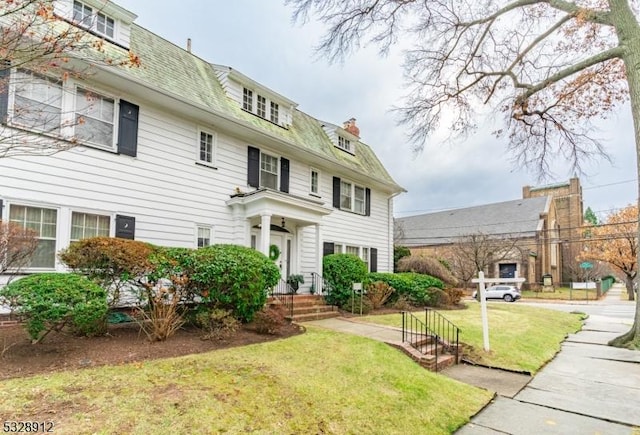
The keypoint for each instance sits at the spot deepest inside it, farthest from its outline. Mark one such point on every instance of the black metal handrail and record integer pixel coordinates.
(445, 332)
(284, 294)
(416, 333)
(319, 284)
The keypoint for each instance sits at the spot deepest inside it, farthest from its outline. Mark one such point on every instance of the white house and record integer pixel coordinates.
(182, 152)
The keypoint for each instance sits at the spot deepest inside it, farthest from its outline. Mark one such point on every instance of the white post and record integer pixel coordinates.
(483, 312)
(265, 233)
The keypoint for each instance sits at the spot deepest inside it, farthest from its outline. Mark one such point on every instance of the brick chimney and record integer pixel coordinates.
(351, 127)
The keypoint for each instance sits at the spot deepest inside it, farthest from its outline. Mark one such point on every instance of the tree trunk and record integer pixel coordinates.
(628, 32)
(628, 283)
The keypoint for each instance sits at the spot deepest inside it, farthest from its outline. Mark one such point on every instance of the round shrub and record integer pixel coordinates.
(341, 271)
(50, 301)
(233, 277)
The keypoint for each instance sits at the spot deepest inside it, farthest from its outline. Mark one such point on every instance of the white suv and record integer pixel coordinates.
(509, 293)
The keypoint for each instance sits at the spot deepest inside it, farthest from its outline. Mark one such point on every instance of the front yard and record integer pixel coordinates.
(318, 382)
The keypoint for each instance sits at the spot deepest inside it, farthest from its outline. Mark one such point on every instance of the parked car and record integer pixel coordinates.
(509, 293)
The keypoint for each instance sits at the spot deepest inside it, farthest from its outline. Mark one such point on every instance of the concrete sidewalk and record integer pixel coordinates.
(588, 388)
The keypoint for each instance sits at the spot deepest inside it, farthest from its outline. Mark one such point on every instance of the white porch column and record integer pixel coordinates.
(319, 248)
(265, 233)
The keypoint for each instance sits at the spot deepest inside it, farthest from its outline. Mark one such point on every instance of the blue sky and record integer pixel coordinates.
(258, 38)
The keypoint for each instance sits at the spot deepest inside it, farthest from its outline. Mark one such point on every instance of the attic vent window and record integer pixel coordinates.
(344, 143)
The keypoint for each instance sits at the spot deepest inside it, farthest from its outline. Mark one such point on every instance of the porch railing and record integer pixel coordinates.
(284, 294)
(319, 284)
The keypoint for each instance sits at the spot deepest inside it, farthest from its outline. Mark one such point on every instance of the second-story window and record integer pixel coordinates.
(358, 199)
(207, 148)
(94, 118)
(105, 25)
(314, 182)
(38, 102)
(247, 99)
(268, 171)
(345, 195)
(275, 112)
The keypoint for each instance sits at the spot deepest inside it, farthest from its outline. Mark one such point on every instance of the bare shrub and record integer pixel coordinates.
(455, 295)
(217, 323)
(378, 293)
(270, 320)
(427, 266)
(163, 315)
(17, 246)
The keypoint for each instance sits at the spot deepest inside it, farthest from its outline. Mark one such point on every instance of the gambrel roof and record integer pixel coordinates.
(520, 218)
(176, 72)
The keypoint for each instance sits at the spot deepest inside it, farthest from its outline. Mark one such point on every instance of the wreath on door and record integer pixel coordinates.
(274, 252)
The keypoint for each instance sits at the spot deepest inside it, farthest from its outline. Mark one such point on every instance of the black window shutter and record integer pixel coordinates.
(125, 227)
(128, 129)
(1, 206)
(5, 68)
(284, 175)
(367, 201)
(253, 172)
(328, 248)
(373, 261)
(336, 192)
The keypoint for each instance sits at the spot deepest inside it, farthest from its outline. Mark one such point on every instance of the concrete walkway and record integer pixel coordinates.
(588, 388)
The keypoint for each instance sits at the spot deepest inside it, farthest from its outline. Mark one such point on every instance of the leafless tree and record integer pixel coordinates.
(40, 50)
(17, 246)
(473, 253)
(548, 67)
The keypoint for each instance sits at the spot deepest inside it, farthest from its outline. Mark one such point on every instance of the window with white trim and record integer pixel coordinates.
(275, 112)
(344, 143)
(268, 171)
(43, 221)
(85, 225)
(314, 182)
(337, 249)
(247, 99)
(96, 21)
(353, 197)
(262, 107)
(207, 144)
(346, 194)
(204, 236)
(94, 118)
(37, 102)
(365, 257)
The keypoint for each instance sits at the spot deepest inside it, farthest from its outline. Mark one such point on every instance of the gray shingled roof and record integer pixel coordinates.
(521, 217)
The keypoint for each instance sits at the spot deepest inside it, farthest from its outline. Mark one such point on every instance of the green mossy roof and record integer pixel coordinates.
(174, 71)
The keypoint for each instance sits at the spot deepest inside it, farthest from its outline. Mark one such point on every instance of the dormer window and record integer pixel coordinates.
(262, 106)
(95, 21)
(247, 99)
(274, 112)
(344, 143)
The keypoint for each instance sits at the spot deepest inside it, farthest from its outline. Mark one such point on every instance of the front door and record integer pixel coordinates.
(283, 242)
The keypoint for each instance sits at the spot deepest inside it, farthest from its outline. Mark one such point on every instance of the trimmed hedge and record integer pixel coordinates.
(50, 301)
(341, 271)
(416, 288)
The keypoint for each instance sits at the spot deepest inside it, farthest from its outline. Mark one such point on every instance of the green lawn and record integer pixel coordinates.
(318, 382)
(521, 337)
